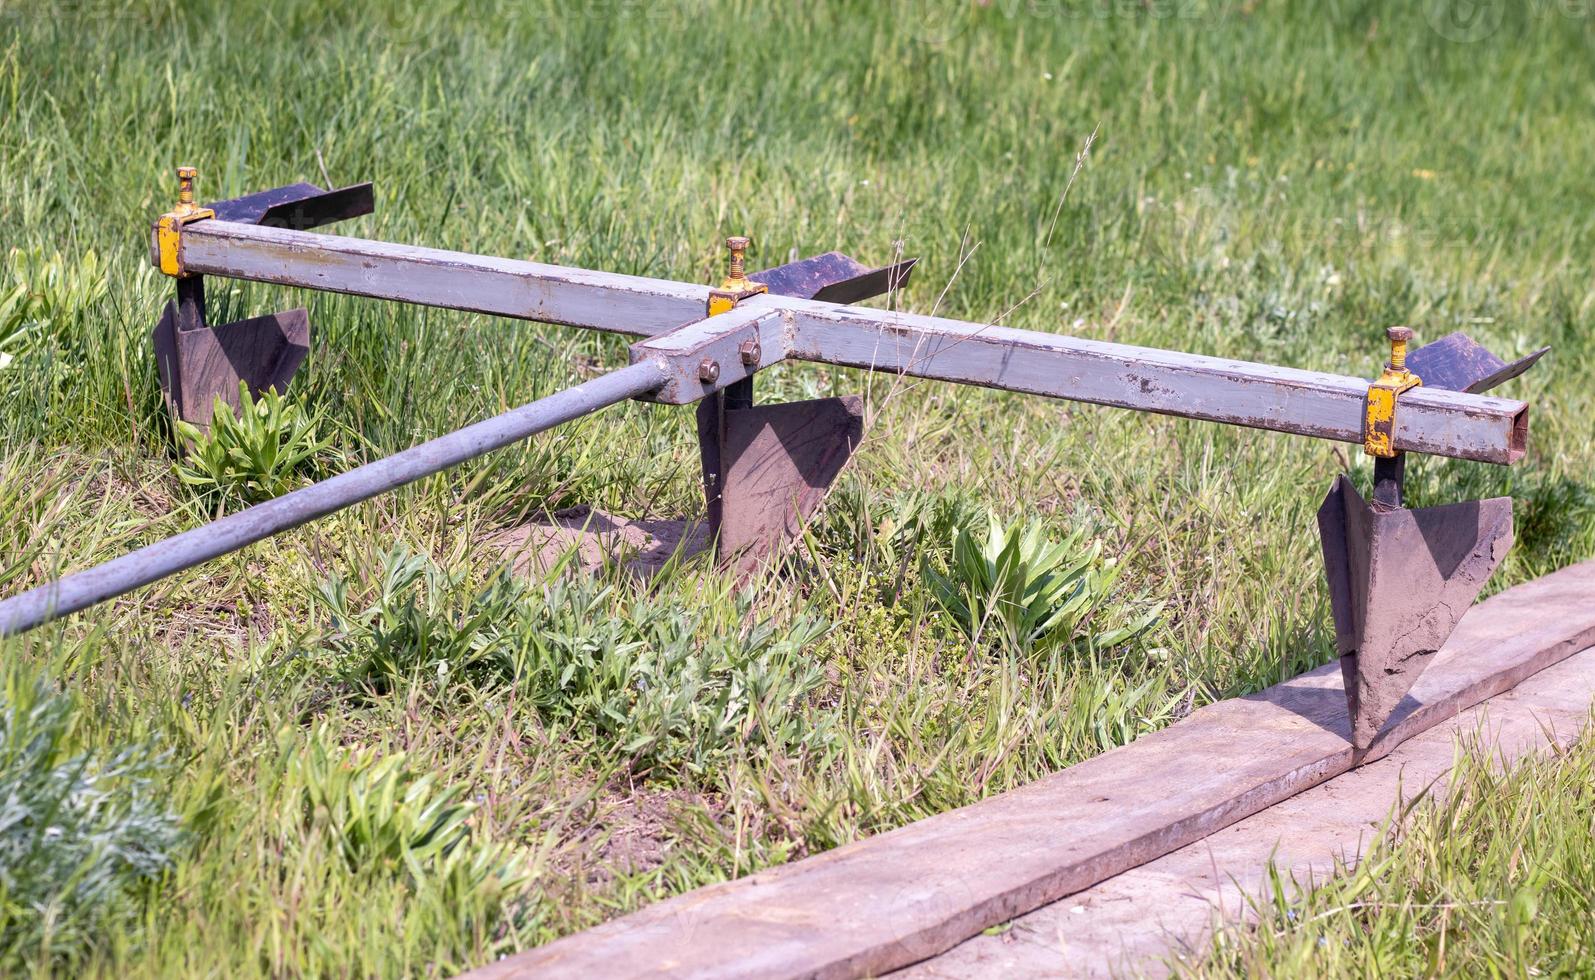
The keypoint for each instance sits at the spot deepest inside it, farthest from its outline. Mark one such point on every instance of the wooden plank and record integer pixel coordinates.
(1133, 924)
(897, 898)
(1309, 403)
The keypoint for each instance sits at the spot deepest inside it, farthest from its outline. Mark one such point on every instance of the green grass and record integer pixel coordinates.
(1488, 877)
(1269, 180)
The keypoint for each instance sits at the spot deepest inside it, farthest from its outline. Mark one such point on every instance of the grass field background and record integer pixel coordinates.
(359, 749)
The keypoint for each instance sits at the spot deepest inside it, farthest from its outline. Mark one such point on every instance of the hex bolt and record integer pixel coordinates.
(709, 371)
(750, 352)
(1399, 336)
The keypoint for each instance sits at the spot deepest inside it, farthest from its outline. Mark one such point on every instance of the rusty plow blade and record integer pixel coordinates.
(1459, 363)
(297, 206)
(1399, 582)
(834, 278)
(767, 468)
(201, 364)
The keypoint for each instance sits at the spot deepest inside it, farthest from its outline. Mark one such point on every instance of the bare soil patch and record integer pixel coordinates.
(642, 546)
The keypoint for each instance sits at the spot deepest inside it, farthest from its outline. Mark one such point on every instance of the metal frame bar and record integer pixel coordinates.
(1307, 403)
(156, 561)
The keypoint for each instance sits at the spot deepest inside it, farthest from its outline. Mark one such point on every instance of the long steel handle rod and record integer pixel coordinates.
(1309, 403)
(152, 562)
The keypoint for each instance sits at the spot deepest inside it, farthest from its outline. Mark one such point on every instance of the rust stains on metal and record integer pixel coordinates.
(167, 235)
(1379, 426)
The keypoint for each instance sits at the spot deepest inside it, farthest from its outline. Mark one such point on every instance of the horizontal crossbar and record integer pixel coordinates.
(1263, 396)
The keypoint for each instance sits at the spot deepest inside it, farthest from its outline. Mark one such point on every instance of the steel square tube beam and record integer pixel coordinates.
(1150, 379)
(1309, 403)
(436, 277)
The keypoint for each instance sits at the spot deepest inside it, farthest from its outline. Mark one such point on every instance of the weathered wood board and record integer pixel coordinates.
(895, 899)
(1143, 921)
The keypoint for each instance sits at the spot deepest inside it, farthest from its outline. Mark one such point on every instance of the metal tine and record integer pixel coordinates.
(834, 278)
(299, 206)
(1457, 362)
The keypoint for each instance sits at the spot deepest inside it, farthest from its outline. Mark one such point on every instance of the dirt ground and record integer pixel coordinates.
(641, 546)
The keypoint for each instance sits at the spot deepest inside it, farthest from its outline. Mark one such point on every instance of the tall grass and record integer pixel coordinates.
(1268, 180)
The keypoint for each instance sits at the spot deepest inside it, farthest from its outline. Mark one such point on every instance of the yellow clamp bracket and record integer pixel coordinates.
(168, 227)
(1379, 425)
(737, 286)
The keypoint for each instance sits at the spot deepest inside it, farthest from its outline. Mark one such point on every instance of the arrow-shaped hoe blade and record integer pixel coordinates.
(200, 365)
(834, 278)
(1460, 363)
(1399, 582)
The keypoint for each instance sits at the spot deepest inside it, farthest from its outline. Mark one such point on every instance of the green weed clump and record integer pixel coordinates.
(14, 325)
(895, 531)
(386, 819)
(422, 623)
(1021, 590)
(45, 298)
(84, 835)
(650, 681)
(268, 448)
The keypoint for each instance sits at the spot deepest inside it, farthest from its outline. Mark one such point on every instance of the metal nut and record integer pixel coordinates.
(709, 371)
(750, 352)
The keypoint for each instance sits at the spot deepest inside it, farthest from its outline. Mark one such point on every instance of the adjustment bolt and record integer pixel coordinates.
(185, 188)
(738, 244)
(709, 371)
(736, 280)
(750, 352)
(1399, 337)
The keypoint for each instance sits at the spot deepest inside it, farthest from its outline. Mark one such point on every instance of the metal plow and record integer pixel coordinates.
(1399, 579)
